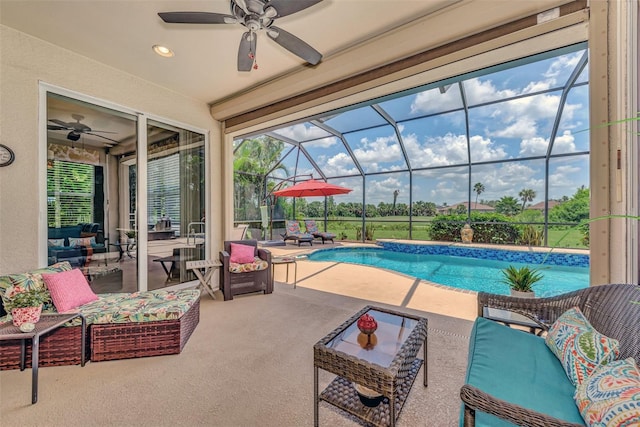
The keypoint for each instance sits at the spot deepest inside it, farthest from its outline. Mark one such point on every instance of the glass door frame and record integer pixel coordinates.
(141, 185)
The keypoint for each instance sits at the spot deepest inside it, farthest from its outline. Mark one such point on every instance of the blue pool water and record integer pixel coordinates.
(476, 274)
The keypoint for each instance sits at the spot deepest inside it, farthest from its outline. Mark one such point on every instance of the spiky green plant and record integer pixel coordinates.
(29, 298)
(521, 279)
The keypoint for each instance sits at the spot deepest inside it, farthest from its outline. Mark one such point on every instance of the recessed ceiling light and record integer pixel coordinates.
(163, 51)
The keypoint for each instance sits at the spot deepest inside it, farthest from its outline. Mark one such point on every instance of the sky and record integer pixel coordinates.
(511, 115)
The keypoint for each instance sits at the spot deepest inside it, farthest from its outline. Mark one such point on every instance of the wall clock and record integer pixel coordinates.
(6, 155)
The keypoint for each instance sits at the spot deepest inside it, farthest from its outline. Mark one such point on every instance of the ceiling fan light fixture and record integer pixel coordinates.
(73, 136)
(270, 12)
(163, 51)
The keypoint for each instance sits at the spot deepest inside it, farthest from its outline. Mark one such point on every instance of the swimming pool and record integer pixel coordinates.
(474, 269)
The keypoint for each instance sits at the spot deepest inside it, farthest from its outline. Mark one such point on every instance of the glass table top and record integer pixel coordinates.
(382, 346)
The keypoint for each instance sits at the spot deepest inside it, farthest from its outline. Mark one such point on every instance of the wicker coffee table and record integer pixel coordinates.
(389, 366)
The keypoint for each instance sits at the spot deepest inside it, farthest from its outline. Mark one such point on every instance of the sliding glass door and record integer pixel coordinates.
(103, 190)
(175, 203)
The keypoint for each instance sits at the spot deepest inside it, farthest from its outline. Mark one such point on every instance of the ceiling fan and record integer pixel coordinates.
(254, 15)
(77, 129)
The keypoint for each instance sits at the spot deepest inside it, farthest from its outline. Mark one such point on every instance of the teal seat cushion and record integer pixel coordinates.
(518, 367)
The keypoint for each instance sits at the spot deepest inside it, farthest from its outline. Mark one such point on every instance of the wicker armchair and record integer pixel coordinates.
(245, 282)
(608, 308)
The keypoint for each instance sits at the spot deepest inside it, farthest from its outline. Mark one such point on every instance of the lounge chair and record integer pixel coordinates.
(312, 228)
(293, 232)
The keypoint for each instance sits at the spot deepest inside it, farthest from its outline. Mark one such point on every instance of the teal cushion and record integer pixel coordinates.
(517, 367)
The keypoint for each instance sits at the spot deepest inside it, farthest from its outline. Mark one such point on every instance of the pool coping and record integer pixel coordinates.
(545, 256)
(516, 248)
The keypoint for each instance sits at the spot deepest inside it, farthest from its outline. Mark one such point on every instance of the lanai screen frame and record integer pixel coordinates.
(319, 121)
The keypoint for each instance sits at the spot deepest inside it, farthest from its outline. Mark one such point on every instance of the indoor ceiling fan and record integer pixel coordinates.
(255, 15)
(77, 129)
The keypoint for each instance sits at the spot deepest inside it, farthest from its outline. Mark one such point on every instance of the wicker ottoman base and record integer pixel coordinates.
(59, 347)
(342, 393)
(129, 340)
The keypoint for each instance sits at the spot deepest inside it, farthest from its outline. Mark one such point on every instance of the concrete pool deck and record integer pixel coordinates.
(380, 285)
(374, 284)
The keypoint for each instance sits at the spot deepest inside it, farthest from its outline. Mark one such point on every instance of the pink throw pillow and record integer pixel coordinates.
(242, 254)
(69, 289)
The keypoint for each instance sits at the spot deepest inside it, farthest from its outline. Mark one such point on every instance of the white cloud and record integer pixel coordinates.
(478, 91)
(507, 179)
(300, 132)
(327, 142)
(382, 190)
(484, 150)
(432, 101)
(562, 63)
(380, 150)
(523, 127)
(538, 146)
(535, 146)
(340, 164)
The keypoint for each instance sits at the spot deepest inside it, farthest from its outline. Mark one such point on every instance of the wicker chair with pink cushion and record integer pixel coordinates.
(245, 268)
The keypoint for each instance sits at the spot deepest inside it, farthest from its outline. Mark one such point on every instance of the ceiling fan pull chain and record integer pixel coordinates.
(254, 46)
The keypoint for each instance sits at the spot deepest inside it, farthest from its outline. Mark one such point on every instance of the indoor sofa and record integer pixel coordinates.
(119, 325)
(76, 244)
(513, 378)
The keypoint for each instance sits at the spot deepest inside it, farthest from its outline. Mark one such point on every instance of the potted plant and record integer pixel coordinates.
(26, 306)
(131, 235)
(521, 280)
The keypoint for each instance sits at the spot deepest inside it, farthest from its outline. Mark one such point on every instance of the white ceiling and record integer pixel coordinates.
(121, 34)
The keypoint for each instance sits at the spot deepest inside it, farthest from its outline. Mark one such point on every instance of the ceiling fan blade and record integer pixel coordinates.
(101, 131)
(61, 123)
(53, 127)
(245, 61)
(100, 136)
(287, 7)
(243, 5)
(294, 45)
(197, 18)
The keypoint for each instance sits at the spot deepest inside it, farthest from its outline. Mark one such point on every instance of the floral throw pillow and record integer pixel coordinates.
(81, 241)
(12, 284)
(611, 395)
(578, 346)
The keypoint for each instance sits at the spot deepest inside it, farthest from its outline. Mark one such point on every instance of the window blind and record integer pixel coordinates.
(70, 193)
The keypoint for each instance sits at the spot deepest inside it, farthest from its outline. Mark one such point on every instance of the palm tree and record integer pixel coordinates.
(253, 160)
(395, 198)
(526, 195)
(478, 188)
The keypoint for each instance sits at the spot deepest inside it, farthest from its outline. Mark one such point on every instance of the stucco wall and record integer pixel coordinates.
(24, 62)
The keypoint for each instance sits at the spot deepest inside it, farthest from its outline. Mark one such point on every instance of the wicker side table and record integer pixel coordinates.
(389, 367)
(47, 323)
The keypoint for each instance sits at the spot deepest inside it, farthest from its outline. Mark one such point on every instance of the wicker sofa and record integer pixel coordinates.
(514, 379)
(120, 326)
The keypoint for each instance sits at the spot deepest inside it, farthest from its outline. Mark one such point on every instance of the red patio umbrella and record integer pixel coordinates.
(311, 188)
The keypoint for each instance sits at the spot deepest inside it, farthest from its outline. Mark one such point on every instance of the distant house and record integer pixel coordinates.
(478, 207)
(540, 205)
